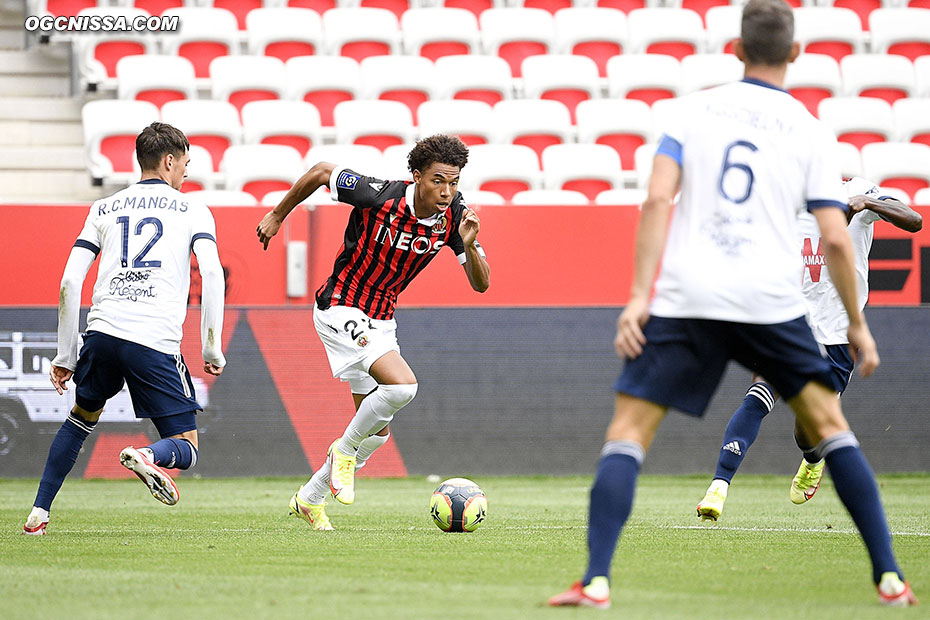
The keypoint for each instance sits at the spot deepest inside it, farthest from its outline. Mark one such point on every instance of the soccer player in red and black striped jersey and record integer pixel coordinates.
(395, 229)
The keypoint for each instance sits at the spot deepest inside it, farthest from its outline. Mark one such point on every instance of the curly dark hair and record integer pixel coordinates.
(156, 141)
(439, 148)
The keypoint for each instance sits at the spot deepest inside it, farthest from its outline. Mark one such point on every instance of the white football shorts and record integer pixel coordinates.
(354, 342)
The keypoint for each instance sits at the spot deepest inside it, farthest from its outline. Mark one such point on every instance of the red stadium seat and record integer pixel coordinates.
(516, 33)
(568, 79)
(324, 81)
(885, 76)
(905, 32)
(261, 168)
(407, 79)
(377, 123)
(241, 79)
(154, 78)
(671, 31)
(204, 34)
(320, 6)
(862, 8)
(502, 168)
(647, 77)
(622, 5)
(535, 123)
(904, 165)
(239, 8)
(553, 6)
(858, 120)
(811, 78)
(471, 121)
(586, 168)
(437, 32)
(473, 77)
(476, 7)
(836, 32)
(597, 33)
(361, 32)
(288, 123)
(622, 124)
(398, 7)
(284, 32)
(702, 6)
(157, 7)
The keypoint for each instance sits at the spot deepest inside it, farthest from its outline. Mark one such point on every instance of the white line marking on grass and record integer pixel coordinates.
(808, 530)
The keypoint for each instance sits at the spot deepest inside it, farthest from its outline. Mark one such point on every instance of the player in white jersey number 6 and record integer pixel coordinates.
(144, 236)
(828, 321)
(748, 158)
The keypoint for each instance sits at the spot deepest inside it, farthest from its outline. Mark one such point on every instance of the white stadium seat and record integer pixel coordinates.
(586, 168)
(472, 121)
(110, 130)
(502, 168)
(323, 81)
(438, 31)
(241, 79)
(261, 168)
(284, 32)
(290, 123)
(213, 125)
(155, 78)
(374, 122)
(515, 33)
(480, 78)
(556, 197)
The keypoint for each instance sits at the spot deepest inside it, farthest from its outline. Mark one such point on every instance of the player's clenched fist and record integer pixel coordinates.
(469, 227)
(268, 227)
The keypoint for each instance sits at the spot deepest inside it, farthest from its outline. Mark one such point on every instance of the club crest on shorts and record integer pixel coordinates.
(440, 226)
(362, 341)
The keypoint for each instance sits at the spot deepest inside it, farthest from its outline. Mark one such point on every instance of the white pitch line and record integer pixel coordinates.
(783, 529)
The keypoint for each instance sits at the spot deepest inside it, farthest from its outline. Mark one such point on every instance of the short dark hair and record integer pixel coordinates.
(767, 31)
(439, 148)
(156, 141)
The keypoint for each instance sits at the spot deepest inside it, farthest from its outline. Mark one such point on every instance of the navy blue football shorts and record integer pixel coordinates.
(159, 384)
(684, 359)
(842, 362)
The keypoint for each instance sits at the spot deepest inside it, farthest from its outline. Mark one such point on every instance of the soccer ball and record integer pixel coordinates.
(458, 505)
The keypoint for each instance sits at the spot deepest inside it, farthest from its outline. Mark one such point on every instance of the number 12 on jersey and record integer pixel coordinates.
(138, 262)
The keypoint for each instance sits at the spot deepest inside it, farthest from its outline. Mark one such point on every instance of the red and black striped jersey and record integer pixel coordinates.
(385, 245)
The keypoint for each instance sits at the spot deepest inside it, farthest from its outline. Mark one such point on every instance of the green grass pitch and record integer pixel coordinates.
(228, 550)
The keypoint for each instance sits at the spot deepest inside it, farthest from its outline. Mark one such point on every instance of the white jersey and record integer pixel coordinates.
(752, 159)
(144, 234)
(827, 314)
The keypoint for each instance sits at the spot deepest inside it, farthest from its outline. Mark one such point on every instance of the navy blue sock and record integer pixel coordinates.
(61, 458)
(856, 487)
(174, 453)
(611, 503)
(743, 429)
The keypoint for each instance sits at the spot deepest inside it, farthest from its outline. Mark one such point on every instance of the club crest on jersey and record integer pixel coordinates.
(347, 180)
(440, 226)
(362, 341)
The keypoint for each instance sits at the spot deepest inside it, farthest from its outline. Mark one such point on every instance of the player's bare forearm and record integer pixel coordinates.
(312, 180)
(653, 224)
(477, 269)
(896, 212)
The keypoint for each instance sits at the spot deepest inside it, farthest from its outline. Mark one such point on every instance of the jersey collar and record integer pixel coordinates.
(152, 182)
(763, 84)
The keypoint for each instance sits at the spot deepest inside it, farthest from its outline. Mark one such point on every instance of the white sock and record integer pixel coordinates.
(720, 486)
(369, 445)
(375, 412)
(42, 513)
(314, 492)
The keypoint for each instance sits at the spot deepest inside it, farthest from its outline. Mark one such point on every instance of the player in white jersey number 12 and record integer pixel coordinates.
(144, 236)
(747, 158)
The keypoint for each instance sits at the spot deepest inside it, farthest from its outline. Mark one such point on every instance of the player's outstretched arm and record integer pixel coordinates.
(476, 267)
(69, 307)
(650, 243)
(212, 302)
(838, 251)
(890, 209)
(312, 180)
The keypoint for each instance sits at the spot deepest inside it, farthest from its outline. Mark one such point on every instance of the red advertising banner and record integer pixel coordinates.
(539, 256)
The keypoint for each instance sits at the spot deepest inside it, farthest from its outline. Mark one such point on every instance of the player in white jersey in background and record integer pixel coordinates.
(144, 235)
(748, 158)
(828, 322)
